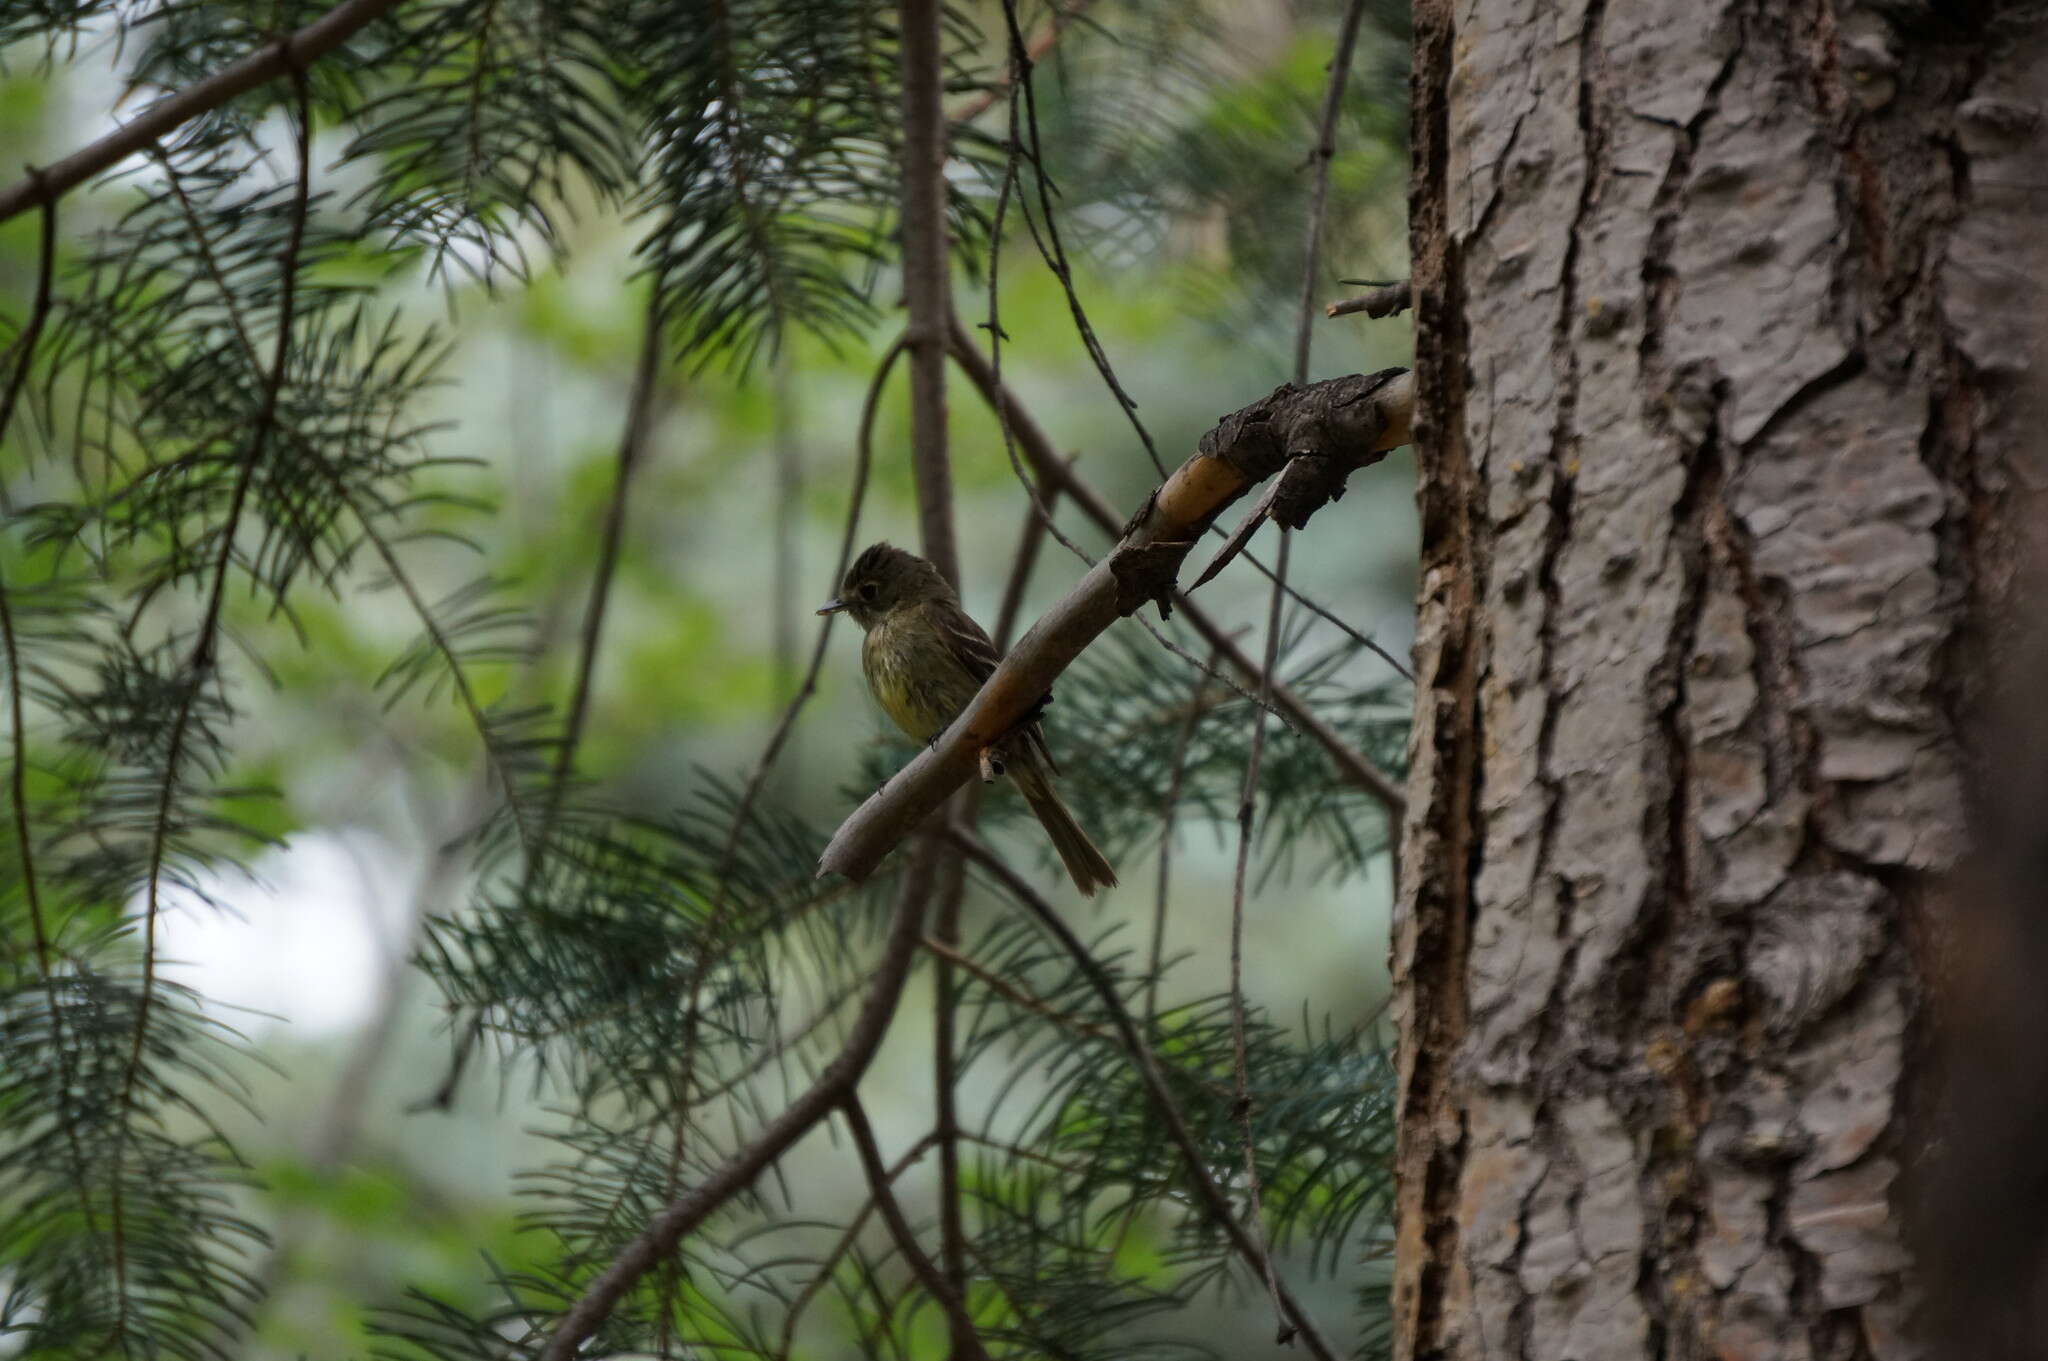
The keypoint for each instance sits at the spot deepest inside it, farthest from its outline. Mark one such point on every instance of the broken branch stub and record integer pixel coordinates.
(1330, 429)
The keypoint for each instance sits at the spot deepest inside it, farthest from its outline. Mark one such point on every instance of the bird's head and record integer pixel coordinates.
(882, 578)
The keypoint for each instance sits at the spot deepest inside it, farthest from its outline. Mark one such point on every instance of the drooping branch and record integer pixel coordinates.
(690, 1209)
(1333, 428)
(1208, 1192)
(1056, 472)
(293, 52)
(966, 1342)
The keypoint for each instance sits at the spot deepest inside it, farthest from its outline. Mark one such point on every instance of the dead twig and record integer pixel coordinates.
(1385, 300)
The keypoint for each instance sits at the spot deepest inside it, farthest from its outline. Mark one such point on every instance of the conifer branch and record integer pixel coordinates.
(1040, 45)
(289, 55)
(23, 353)
(633, 444)
(1211, 1195)
(846, 1239)
(1336, 427)
(966, 1342)
(200, 668)
(687, 1211)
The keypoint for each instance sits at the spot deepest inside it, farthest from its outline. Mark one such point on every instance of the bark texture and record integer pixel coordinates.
(1724, 317)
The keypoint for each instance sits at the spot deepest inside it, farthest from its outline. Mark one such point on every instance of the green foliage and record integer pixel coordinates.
(228, 477)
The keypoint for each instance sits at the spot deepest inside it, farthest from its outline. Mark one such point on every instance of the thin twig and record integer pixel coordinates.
(1011, 993)
(1384, 301)
(1168, 809)
(1304, 335)
(1050, 246)
(839, 1248)
(200, 666)
(966, 1342)
(687, 1211)
(1246, 807)
(789, 490)
(633, 445)
(1030, 537)
(1212, 1196)
(863, 466)
(946, 1058)
(287, 56)
(1320, 155)
(1040, 45)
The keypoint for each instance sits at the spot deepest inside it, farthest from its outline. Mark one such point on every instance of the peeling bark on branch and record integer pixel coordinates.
(1718, 364)
(1351, 421)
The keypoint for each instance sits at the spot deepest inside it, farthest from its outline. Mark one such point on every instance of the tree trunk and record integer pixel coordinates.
(1723, 331)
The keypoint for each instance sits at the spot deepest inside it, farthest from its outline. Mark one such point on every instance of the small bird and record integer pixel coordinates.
(925, 659)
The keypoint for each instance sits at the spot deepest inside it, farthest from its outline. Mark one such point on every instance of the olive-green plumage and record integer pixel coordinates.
(925, 659)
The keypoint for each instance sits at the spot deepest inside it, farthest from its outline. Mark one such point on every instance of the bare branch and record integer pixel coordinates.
(689, 1210)
(839, 1249)
(633, 442)
(1040, 45)
(966, 1342)
(1345, 423)
(1319, 196)
(925, 277)
(1054, 471)
(1325, 148)
(1384, 301)
(292, 53)
(1211, 1195)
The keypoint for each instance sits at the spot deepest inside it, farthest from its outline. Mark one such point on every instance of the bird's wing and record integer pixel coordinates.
(965, 640)
(977, 655)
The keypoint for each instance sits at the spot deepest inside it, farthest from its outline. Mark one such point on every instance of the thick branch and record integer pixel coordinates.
(293, 52)
(1343, 423)
(1057, 473)
(687, 1211)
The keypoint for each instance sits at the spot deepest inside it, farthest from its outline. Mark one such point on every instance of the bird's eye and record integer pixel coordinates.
(867, 590)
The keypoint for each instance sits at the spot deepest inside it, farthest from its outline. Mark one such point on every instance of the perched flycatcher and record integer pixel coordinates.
(925, 660)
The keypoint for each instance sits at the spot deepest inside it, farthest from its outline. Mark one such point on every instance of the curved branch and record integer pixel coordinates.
(1334, 427)
(1057, 473)
(966, 1342)
(294, 52)
(689, 1210)
(1212, 1196)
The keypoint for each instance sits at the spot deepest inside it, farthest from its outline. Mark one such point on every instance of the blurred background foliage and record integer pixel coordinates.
(489, 264)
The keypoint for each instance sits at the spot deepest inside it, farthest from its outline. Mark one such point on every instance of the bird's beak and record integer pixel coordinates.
(832, 607)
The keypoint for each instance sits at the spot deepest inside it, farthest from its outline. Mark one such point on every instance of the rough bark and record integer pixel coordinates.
(1720, 382)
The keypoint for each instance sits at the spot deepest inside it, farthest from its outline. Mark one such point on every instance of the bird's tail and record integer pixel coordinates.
(1087, 866)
